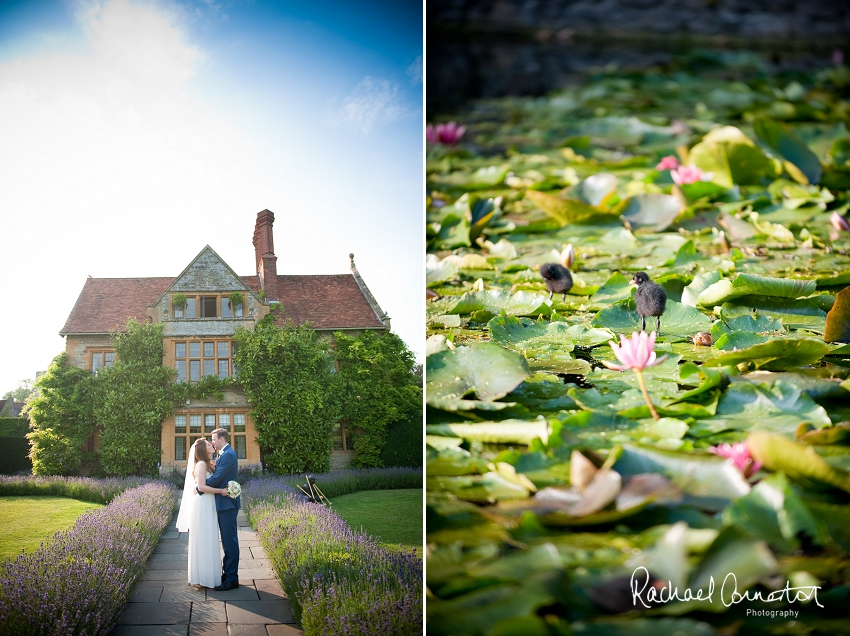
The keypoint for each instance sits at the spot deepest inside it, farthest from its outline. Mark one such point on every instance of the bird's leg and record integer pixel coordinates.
(564, 297)
(550, 295)
(658, 326)
(643, 323)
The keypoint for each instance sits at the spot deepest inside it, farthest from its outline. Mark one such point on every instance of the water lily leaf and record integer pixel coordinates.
(531, 336)
(773, 230)
(454, 232)
(738, 340)
(699, 189)
(795, 195)
(780, 408)
(732, 157)
(487, 488)
(708, 379)
(819, 389)
(836, 518)
(453, 462)
(615, 288)
(751, 284)
(437, 271)
(842, 279)
(748, 322)
(565, 211)
(496, 301)
(679, 321)
(838, 319)
(659, 379)
(595, 189)
(774, 512)
(481, 212)
(468, 261)
(801, 463)
(700, 283)
(780, 139)
(838, 434)
(708, 480)
(653, 211)
(771, 354)
(489, 370)
(504, 432)
(665, 428)
(794, 313)
(643, 627)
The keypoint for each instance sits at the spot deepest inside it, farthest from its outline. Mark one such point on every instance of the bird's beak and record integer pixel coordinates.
(632, 282)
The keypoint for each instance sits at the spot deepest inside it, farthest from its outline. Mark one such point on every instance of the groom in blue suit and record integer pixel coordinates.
(226, 469)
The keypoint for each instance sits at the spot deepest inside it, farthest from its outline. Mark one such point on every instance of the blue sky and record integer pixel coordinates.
(135, 133)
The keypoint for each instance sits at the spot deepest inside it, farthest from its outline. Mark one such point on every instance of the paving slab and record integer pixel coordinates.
(146, 594)
(208, 629)
(209, 612)
(257, 573)
(258, 552)
(162, 613)
(269, 590)
(150, 630)
(153, 574)
(260, 612)
(247, 630)
(284, 630)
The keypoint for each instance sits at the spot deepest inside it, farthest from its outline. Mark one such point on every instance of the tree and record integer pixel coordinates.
(133, 397)
(286, 372)
(25, 388)
(378, 389)
(62, 418)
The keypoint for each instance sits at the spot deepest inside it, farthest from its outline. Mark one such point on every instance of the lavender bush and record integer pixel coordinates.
(339, 581)
(344, 482)
(78, 582)
(85, 488)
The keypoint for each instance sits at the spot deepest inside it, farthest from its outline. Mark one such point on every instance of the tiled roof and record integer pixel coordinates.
(326, 301)
(105, 303)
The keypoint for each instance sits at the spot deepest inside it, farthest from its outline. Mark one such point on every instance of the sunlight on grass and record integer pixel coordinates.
(27, 521)
(392, 516)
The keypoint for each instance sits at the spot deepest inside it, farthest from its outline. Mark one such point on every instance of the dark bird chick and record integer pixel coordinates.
(650, 298)
(557, 277)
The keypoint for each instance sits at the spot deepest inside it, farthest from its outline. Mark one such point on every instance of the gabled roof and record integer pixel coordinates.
(105, 303)
(326, 301)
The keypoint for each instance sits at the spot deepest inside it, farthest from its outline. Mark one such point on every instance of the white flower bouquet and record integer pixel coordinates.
(233, 489)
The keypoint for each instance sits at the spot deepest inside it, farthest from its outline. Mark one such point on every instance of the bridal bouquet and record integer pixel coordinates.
(233, 489)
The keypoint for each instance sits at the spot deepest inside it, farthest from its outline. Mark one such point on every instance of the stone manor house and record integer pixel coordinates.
(198, 333)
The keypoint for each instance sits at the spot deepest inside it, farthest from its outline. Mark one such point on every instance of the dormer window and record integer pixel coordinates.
(204, 307)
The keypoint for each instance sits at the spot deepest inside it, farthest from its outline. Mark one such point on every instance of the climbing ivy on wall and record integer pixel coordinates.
(62, 418)
(133, 397)
(287, 374)
(377, 390)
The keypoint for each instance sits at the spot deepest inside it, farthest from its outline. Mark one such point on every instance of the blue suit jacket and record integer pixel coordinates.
(226, 469)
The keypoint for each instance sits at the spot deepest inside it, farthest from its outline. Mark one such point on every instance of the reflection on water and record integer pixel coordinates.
(461, 67)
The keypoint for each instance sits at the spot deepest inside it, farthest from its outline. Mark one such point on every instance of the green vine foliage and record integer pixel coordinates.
(286, 372)
(133, 398)
(62, 418)
(379, 392)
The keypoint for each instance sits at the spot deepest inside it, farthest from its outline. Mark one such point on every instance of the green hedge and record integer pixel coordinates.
(404, 443)
(14, 445)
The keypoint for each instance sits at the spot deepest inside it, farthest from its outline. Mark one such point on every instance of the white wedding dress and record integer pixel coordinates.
(204, 552)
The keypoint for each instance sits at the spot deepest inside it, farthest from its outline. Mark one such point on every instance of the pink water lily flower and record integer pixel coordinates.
(668, 163)
(739, 453)
(839, 222)
(635, 353)
(689, 174)
(448, 134)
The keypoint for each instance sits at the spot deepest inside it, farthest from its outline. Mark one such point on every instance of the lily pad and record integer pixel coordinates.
(504, 432)
(751, 285)
(701, 282)
(794, 313)
(838, 319)
(780, 139)
(594, 189)
(733, 158)
(531, 336)
(496, 301)
(779, 408)
(565, 211)
(679, 321)
(437, 271)
(616, 288)
(652, 211)
(487, 369)
(771, 354)
(799, 462)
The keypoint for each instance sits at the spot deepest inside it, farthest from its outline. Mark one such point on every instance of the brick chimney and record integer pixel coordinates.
(264, 253)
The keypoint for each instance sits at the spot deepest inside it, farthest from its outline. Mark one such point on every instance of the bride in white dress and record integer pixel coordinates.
(200, 518)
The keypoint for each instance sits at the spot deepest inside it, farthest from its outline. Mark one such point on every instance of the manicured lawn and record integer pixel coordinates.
(27, 521)
(393, 516)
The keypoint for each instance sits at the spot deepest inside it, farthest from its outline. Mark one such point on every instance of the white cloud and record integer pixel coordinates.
(414, 70)
(373, 102)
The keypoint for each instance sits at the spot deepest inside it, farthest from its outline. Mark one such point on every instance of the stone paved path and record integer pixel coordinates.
(163, 604)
